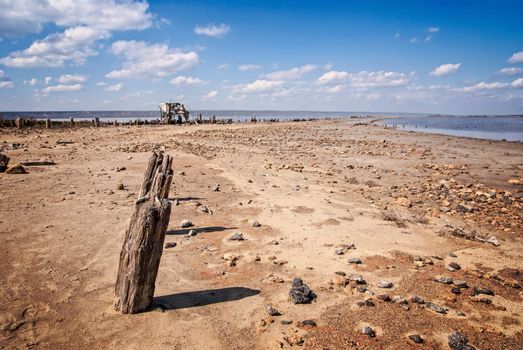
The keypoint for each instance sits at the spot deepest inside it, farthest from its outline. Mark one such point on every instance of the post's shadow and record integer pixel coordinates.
(186, 199)
(202, 298)
(185, 231)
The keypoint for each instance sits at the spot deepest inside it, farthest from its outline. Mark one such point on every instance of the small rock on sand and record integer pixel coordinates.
(256, 224)
(170, 245)
(368, 331)
(416, 338)
(272, 311)
(458, 341)
(186, 223)
(385, 284)
(237, 237)
(300, 293)
(436, 308)
(120, 186)
(355, 261)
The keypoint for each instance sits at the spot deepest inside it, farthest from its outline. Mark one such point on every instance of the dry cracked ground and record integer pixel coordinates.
(402, 238)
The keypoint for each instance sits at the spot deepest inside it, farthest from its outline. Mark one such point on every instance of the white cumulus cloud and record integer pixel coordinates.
(433, 30)
(62, 88)
(31, 82)
(114, 88)
(23, 16)
(248, 67)
(260, 85)
(213, 30)
(332, 76)
(483, 86)
(85, 23)
(510, 70)
(144, 60)
(366, 79)
(71, 78)
(210, 95)
(516, 57)
(5, 81)
(518, 83)
(181, 81)
(292, 73)
(445, 69)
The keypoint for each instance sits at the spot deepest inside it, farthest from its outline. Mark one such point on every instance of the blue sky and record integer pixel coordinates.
(463, 57)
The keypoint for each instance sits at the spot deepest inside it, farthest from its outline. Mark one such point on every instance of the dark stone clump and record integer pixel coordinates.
(458, 341)
(300, 293)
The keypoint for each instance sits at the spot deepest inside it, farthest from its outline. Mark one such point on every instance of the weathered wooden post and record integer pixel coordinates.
(19, 122)
(48, 123)
(97, 122)
(143, 245)
(71, 121)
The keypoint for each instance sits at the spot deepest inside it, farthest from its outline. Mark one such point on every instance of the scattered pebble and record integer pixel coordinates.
(385, 284)
(416, 338)
(272, 311)
(192, 233)
(256, 224)
(186, 223)
(444, 280)
(300, 293)
(170, 245)
(458, 341)
(368, 331)
(237, 237)
(355, 261)
(311, 323)
(436, 308)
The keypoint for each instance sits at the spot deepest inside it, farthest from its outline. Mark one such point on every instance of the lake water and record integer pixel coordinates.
(509, 128)
(485, 127)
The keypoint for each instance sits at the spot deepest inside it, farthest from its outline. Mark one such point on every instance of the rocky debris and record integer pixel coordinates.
(340, 273)
(286, 322)
(256, 224)
(120, 186)
(477, 202)
(404, 202)
(186, 223)
(257, 258)
(367, 330)
(300, 293)
(192, 233)
(453, 255)
(169, 245)
(16, 169)
(470, 235)
(339, 281)
(237, 237)
(385, 284)
(416, 299)
(4, 161)
(310, 323)
(230, 259)
(455, 290)
(204, 209)
(458, 341)
(443, 280)
(478, 291)
(275, 242)
(416, 338)
(343, 248)
(384, 297)
(356, 261)
(460, 284)
(436, 308)
(453, 266)
(357, 278)
(216, 188)
(272, 311)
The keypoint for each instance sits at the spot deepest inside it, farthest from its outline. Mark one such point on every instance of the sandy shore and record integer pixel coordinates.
(324, 192)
